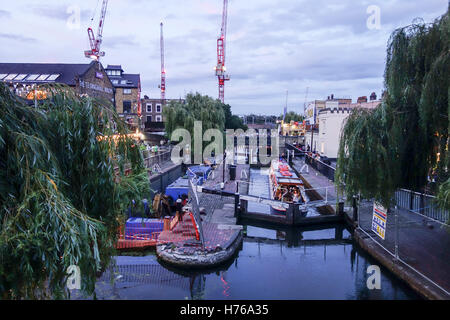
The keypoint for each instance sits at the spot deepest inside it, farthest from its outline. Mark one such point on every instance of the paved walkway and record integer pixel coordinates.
(422, 243)
(324, 187)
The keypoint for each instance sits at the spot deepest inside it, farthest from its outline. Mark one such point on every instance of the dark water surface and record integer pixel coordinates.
(273, 263)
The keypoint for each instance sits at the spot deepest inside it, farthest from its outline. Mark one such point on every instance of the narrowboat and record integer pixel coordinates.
(285, 186)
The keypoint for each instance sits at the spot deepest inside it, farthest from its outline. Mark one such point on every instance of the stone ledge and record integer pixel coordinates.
(418, 283)
(201, 259)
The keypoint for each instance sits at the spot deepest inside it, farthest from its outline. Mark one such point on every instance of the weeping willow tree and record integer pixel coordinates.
(404, 141)
(63, 190)
(196, 108)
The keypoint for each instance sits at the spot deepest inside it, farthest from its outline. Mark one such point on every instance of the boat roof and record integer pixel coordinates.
(180, 182)
(284, 180)
(204, 169)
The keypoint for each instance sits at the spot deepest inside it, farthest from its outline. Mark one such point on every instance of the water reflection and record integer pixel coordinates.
(272, 263)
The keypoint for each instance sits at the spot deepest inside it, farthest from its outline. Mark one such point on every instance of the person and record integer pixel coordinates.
(146, 208)
(296, 197)
(179, 212)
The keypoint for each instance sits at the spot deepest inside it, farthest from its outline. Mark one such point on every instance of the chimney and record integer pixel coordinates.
(362, 99)
(332, 96)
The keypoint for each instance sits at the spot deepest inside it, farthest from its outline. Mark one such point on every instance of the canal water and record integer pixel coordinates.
(273, 263)
(259, 186)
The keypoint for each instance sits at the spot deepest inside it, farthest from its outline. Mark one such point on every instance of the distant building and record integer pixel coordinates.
(86, 78)
(152, 112)
(127, 93)
(330, 123)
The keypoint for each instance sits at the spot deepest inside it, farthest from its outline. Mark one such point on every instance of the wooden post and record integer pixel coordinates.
(166, 226)
(243, 207)
(290, 214)
(340, 209)
(236, 205)
(355, 210)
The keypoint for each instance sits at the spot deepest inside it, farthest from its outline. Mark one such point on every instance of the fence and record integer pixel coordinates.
(156, 160)
(322, 167)
(412, 238)
(420, 203)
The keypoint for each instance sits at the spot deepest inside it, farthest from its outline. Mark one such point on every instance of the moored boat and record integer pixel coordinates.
(285, 186)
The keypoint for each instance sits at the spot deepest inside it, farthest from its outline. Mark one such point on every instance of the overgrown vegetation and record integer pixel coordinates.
(404, 142)
(292, 116)
(63, 190)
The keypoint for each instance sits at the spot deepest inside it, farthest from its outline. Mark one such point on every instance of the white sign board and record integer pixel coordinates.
(310, 115)
(379, 219)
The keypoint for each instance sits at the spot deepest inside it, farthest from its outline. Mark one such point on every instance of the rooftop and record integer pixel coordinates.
(43, 72)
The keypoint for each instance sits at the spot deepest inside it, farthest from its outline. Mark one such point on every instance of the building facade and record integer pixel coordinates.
(127, 94)
(152, 112)
(331, 120)
(89, 78)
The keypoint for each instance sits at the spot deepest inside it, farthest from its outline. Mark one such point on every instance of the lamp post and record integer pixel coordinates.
(223, 169)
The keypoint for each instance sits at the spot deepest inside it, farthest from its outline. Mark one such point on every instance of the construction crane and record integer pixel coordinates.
(163, 71)
(221, 43)
(95, 43)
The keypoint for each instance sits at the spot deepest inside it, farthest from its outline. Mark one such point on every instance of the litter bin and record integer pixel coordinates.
(232, 172)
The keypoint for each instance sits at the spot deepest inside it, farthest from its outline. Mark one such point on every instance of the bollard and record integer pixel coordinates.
(341, 208)
(236, 205)
(166, 226)
(355, 210)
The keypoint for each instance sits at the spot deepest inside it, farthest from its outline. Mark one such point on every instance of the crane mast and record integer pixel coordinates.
(221, 74)
(95, 43)
(163, 71)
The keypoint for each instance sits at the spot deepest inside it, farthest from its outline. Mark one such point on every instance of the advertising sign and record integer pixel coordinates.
(311, 113)
(379, 220)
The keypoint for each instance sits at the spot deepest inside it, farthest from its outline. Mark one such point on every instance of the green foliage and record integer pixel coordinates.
(397, 144)
(61, 201)
(197, 108)
(292, 116)
(232, 121)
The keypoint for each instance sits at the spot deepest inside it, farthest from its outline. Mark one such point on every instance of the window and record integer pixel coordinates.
(53, 77)
(32, 77)
(149, 107)
(42, 77)
(158, 108)
(149, 118)
(127, 107)
(123, 81)
(10, 76)
(115, 81)
(20, 77)
(126, 91)
(3, 75)
(158, 118)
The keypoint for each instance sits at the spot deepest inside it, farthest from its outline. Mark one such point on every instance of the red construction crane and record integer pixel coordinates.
(221, 74)
(95, 43)
(163, 71)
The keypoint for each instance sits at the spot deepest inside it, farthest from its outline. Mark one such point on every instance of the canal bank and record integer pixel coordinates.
(210, 236)
(272, 263)
(422, 242)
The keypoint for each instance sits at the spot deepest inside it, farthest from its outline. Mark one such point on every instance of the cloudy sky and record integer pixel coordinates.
(330, 46)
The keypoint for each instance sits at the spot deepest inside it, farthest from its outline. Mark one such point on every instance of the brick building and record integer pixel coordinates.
(88, 78)
(127, 93)
(152, 113)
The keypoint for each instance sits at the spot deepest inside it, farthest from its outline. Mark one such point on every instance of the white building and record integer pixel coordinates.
(331, 121)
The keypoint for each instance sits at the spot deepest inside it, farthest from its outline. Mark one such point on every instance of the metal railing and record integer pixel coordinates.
(325, 169)
(423, 204)
(157, 159)
(408, 239)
